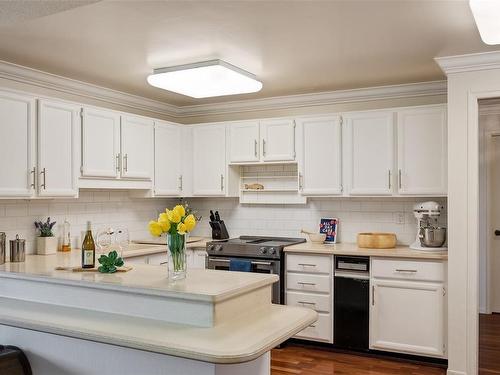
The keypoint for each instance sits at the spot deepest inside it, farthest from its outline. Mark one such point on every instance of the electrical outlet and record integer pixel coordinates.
(400, 217)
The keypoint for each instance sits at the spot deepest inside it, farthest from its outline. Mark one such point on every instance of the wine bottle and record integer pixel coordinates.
(88, 249)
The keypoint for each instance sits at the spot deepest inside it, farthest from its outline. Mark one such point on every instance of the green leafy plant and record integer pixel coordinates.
(45, 227)
(110, 263)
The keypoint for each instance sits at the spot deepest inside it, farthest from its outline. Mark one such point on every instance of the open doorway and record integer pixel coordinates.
(489, 236)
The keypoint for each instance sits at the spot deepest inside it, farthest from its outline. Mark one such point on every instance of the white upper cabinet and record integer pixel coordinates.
(17, 145)
(244, 142)
(58, 148)
(422, 152)
(369, 153)
(168, 160)
(209, 160)
(278, 140)
(137, 147)
(100, 143)
(321, 161)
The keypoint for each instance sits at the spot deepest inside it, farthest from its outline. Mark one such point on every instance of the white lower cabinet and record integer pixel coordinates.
(308, 283)
(408, 307)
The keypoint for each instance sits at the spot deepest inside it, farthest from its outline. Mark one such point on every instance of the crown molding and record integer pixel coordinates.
(469, 63)
(30, 76)
(317, 99)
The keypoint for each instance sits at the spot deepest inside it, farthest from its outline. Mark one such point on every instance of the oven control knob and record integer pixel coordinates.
(272, 251)
(218, 247)
(263, 250)
(210, 247)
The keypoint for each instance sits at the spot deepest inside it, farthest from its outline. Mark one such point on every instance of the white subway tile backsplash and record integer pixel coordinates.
(354, 214)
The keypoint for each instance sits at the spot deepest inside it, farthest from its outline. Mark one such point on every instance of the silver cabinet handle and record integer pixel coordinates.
(180, 182)
(263, 147)
(312, 325)
(304, 283)
(221, 182)
(301, 180)
(406, 271)
(44, 173)
(125, 163)
(33, 177)
(255, 148)
(373, 295)
(294, 141)
(118, 166)
(307, 265)
(163, 263)
(390, 182)
(307, 303)
(400, 179)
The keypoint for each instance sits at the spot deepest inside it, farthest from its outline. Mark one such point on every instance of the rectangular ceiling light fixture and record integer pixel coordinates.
(205, 79)
(487, 16)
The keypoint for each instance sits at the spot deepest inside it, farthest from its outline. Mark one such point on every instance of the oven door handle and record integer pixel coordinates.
(254, 263)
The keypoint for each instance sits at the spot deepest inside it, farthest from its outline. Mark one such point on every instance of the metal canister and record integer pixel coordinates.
(2, 247)
(17, 249)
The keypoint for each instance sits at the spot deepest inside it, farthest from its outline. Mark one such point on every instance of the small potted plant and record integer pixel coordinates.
(46, 243)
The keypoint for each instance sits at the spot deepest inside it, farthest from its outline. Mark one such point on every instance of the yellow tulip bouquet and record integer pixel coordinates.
(176, 223)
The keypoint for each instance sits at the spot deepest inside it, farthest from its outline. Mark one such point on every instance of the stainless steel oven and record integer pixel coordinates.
(270, 266)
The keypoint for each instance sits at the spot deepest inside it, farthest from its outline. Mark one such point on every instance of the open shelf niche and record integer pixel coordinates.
(280, 184)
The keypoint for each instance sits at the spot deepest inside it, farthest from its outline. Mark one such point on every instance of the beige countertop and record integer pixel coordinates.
(353, 249)
(200, 285)
(241, 339)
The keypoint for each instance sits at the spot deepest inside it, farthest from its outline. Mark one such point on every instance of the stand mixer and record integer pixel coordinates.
(430, 237)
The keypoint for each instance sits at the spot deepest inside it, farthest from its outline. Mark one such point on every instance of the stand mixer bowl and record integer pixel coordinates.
(432, 236)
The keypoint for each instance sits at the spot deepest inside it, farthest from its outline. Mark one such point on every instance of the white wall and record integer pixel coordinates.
(102, 208)
(355, 215)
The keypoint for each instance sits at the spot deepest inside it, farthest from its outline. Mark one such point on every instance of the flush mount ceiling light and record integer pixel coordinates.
(205, 79)
(487, 16)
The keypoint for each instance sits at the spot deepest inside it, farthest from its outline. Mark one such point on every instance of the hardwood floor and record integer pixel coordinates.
(296, 359)
(489, 344)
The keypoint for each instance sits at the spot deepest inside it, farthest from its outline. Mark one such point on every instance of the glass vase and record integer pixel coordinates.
(177, 264)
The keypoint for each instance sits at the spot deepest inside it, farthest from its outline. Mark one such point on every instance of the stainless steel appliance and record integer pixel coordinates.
(430, 236)
(351, 302)
(264, 253)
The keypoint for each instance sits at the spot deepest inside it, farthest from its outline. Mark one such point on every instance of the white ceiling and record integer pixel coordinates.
(292, 46)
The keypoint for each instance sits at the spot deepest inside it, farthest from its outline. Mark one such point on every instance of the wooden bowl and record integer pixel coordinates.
(377, 240)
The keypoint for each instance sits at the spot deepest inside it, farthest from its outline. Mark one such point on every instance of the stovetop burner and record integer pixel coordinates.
(251, 246)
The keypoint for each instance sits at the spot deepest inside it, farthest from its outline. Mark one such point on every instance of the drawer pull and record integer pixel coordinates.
(307, 303)
(303, 283)
(406, 271)
(307, 265)
(313, 326)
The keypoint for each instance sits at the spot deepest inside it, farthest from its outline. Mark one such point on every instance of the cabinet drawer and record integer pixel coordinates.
(408, 269)
(309, 283)
(318, 302)
(309, 263)
(320, 330)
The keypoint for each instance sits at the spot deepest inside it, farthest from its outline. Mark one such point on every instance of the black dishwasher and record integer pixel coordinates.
(351, 302)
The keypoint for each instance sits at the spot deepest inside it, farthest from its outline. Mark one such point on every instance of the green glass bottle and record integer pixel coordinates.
(88, 249)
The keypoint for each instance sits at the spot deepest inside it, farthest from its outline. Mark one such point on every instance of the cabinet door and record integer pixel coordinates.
(407, 317)
(137, 136)
(422, 153)
(168, 160)
(100, 143)
(243, 142)
(209, 161)
(199, 258)
(17, 145)
(58, 146)
(278, 140)
(370, 152)
(321, 164)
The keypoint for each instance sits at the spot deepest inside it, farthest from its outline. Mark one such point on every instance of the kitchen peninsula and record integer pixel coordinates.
(138, 322)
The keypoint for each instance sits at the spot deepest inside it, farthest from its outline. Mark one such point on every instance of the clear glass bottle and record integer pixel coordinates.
(66, 240)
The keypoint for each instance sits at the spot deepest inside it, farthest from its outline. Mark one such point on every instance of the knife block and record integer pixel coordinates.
(219, 230)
